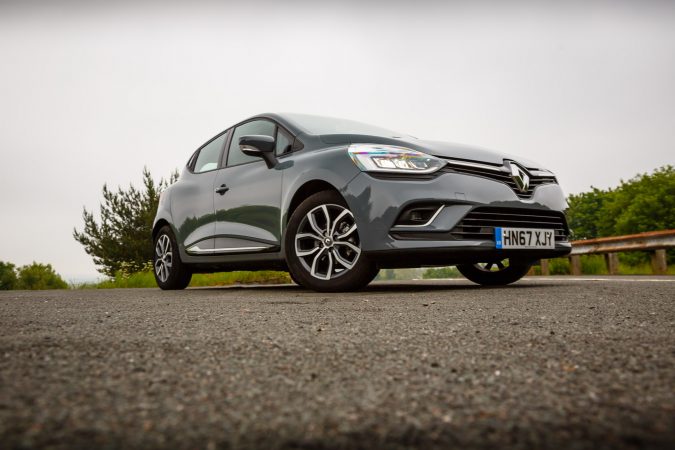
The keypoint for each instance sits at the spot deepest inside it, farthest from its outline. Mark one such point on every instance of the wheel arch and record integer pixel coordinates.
(158, 225)
(307, 189)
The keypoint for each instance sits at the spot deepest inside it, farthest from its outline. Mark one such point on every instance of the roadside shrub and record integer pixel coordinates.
(8, 278)
(593, 265)
(559, 266)
(39, 276)
(636, 259)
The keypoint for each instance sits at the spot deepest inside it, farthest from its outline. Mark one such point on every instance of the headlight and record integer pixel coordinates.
(389, 158)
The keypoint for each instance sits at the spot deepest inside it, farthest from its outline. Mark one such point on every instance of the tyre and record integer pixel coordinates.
(496, 273)
(170, 272)
(323, 250)
(293, 278)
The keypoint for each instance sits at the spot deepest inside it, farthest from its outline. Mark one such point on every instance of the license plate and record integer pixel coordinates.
(524, 238)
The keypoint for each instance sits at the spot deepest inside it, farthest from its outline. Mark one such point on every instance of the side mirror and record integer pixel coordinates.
(260, 146)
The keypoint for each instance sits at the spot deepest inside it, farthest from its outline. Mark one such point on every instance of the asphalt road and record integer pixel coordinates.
(546, 363)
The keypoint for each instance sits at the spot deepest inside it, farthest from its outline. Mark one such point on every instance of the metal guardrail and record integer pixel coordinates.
(653, 240)
(658, 241)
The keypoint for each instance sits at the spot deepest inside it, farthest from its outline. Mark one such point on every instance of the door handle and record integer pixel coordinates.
(222, 189)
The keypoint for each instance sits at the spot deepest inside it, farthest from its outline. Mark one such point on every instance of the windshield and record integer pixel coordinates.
(319, 125)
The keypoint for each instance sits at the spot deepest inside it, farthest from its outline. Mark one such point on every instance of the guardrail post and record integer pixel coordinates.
(575, 265)
(612, 260)
(544, 267)
(659, 264)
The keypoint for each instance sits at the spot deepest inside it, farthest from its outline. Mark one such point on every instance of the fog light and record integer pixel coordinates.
(418, 215)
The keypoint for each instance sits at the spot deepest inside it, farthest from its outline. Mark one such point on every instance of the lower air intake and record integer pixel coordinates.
(479, 224)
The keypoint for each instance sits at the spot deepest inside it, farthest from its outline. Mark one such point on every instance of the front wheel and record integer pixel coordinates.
(494, 273)
(323, 249)
(170, 272)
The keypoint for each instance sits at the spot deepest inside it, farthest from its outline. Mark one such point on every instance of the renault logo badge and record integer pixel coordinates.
(520, 177)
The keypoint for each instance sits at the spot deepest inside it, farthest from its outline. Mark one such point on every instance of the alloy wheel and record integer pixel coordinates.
(493, 266)
(163, 258)
(327, 242)
(496, 272)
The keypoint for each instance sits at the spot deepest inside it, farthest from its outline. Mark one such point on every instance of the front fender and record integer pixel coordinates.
(331, 165)
(163, 212)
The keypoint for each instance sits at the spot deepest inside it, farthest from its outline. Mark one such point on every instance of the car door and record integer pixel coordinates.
(248, 198)
(192, 198)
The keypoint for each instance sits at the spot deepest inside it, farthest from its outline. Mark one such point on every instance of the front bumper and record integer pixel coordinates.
(377, 204)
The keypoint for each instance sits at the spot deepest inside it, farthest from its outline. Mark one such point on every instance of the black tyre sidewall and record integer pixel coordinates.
(180, 274)
(514, 272)
(356, 278)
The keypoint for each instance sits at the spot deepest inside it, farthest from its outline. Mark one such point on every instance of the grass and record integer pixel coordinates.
(641, 269)
(399, 274)
(147, 280)
(441, 272)
(595, 265)
(590, 265)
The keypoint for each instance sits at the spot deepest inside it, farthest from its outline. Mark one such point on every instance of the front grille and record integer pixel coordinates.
(479, 224)
(501, 174)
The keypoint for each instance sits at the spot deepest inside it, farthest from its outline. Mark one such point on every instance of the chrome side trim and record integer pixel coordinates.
(205, 251)
(438, 211)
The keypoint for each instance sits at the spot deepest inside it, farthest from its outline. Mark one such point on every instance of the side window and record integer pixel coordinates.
(262, 127)
(284, 142)
(209, 155)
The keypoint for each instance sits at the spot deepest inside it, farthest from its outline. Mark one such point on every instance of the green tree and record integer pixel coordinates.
(121, 239)
(643, 203)
(585, 213)
(8, 279)
(40, 276)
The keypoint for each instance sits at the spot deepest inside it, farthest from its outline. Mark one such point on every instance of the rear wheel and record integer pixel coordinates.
(323, 249)
(170, 272)
(494, 273)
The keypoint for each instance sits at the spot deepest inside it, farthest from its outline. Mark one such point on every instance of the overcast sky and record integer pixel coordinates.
(90, 92)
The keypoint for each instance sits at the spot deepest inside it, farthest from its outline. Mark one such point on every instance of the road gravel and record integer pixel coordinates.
(546, 363)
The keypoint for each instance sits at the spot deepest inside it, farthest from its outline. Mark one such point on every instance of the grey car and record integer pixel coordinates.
(333, 201)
